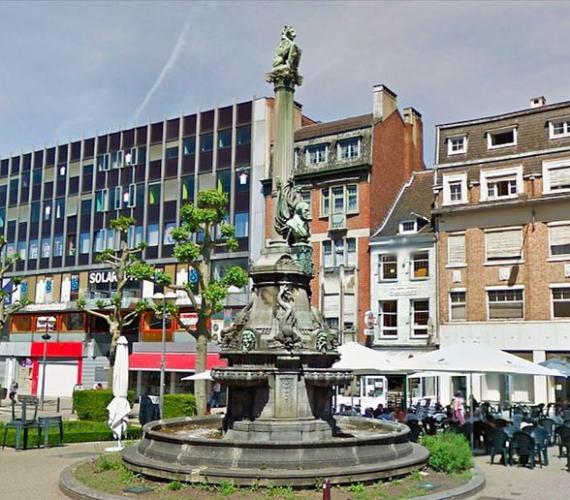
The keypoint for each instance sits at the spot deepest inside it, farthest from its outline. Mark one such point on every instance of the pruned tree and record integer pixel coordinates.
(8, 306)
(203, 230)
(126, 264)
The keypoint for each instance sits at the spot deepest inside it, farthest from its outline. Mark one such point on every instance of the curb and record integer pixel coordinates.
(72, 488)
(475, 485)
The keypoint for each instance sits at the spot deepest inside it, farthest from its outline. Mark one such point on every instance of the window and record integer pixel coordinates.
(102, 200)
(388, 319)
(559, 129)
(58, 246)
(206, 142)
(34, 247)
(503, 183)
(188, 188)
(47, 211)
(71, 245)
(242, 180)
(22, 249)
(154, 194)
(502, 138)
(131, 196)
(457, 145)
(344, 200)
(504, 244)
(152, 235)
(561, 302)
(388, 267)
(134, 236)
(243, 135)
(35, 212)
(102, 163)
(59, 208)
(349, 148)
(420, 265)
(171, 153)
(351, 199)
(306, 197)
(408, 226)
(46, 248)
(344, 252)
(351, 252)
(100, 240)
(337, 200)
(420, 315)
(84, 243)
(457, 306)
(118, 198)
(224, 180)
(241, 220)
(559, 240)
(456, 250)
(167, 238)
(454, 189)
(73, 322)
(556, 176)
(224, 139)
(21, 323)
(316, 154)
(189, 146)
(116, 159)
(502, 187)
(506, 304)
(325, 201)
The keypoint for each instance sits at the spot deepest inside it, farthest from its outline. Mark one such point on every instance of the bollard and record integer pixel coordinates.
(326, 489)
(57, 406)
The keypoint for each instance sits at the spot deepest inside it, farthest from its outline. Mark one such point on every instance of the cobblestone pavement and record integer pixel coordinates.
(548, 483)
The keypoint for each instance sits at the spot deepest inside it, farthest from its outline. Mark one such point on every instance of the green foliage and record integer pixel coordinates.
(175, 485)
(74, 431)
(187, 251)
(107, 462)
(235, 276)
(227, 488)
(92, 405)
(285, 492)
(448, 452)
(122, 223)
(357, 488)
(415, 475)
(179, 405)
(137, 269)
(214, 294)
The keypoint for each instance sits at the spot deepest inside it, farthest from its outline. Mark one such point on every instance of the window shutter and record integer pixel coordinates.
(560, 235)
(72, 204)
(504, 244)
(456, 249)
(170, 190)
(560, 177)
(349, 308)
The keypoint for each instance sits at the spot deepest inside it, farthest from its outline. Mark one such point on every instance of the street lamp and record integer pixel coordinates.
(169, 298)
(49, 321)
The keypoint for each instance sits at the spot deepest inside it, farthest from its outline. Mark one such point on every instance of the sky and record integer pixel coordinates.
(73, 69)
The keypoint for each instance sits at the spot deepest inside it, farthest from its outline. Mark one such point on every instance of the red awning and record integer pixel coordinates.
(175, 362)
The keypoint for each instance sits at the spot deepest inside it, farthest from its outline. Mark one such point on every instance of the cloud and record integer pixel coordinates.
(170, 64)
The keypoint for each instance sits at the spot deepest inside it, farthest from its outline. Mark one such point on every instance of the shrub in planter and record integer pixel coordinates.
(92, 405)
(448, 452)
(179, 405)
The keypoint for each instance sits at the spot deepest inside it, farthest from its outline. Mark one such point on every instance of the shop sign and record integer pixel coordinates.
(102, 277)
(189, 320)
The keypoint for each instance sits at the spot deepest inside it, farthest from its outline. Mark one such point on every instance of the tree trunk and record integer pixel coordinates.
(200, 385)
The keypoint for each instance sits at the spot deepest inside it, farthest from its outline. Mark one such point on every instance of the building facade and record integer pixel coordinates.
(55, 207)
(502, 210)
(350, 171)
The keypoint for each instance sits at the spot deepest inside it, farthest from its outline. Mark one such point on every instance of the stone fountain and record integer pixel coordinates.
(279, 428)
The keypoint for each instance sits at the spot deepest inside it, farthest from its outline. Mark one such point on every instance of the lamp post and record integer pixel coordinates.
(46, 336)
(169, 298)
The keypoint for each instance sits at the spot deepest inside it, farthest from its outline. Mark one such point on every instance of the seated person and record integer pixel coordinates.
(379, 410)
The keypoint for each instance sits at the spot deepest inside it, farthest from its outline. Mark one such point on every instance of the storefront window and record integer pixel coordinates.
(21, 323)
(73, 322)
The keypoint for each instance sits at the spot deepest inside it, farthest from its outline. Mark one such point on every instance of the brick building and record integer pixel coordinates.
(350, 171)
(502, 190)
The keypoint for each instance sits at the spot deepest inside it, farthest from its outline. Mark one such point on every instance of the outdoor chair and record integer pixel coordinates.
(522, 444)
(563, 434)
(498, 441)
(45, 423)
(22, 425)
(541, 440)
(517, 420)
(415, 430)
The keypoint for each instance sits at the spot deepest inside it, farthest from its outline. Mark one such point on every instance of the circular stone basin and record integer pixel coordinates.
(195, 450)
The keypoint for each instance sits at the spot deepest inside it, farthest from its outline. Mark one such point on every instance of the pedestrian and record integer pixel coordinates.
(458, 408)
(215, 398)
(13, 391)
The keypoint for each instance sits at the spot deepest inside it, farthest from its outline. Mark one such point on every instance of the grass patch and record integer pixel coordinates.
(448, 452)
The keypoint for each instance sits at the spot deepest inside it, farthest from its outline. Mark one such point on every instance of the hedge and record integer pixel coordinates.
(179, 405)
(448, 452)
(92, 405)
(73, 432)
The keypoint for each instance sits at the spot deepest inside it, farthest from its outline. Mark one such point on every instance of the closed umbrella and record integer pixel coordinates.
(119, 407)
(206, 375)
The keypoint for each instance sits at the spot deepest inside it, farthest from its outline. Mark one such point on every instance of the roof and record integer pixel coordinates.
(334, 127)
(415, 199)
(512, 114)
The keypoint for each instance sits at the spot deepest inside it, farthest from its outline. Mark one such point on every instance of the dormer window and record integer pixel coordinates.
(559, 128)
(408, 227)
(503, 183)
(454, 189)
(502, 138)
(317, 154)
(457, 145)
(349, 148)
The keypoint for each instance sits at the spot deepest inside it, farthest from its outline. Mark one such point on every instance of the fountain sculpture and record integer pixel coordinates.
(279, 427)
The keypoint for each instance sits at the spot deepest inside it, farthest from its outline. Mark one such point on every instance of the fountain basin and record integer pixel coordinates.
(195, 450)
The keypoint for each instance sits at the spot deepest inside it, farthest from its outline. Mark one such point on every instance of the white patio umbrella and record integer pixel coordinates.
(356, 357)
(206, 375)
(119, 407)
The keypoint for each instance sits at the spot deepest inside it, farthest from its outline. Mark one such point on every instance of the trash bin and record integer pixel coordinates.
(149, 409)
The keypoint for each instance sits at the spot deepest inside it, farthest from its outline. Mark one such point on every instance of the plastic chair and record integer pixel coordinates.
(563, 434)
(22, 425)
(499, 445)
(523, 444)
(45, 423)
(541, 440)
(517, 420)
(549, 426)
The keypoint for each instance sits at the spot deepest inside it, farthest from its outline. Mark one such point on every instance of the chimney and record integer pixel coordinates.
(384, 102)
(414, 118)
(538, 102)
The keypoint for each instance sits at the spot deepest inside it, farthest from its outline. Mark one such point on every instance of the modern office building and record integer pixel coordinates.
(350, 171)
(55, 207)
(502, 211)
